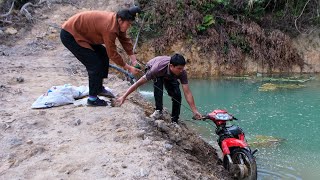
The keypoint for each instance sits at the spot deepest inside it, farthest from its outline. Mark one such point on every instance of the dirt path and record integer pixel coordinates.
(70, 142)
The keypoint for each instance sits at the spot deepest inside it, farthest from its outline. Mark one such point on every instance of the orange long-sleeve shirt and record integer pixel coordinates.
(99, 27)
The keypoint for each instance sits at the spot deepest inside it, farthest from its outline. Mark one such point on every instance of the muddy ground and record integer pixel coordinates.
(80, 142)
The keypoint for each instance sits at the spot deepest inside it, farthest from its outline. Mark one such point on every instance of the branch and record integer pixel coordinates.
(24, 10)
(135, 44)
(5, 21)
(295, 21)
(267, 4)
(8, 13)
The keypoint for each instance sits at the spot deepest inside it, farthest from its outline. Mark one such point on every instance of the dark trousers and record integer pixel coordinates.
(172, 87)
(96, 61)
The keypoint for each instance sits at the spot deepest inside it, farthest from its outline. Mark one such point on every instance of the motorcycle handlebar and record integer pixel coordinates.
(206, 116)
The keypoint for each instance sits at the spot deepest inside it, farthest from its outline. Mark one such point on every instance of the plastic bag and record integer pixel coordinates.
(60, 95)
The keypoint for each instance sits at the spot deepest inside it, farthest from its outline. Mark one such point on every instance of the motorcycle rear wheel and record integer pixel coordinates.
(249, 164)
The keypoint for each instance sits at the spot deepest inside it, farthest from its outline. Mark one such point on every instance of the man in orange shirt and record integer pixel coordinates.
(84, 33)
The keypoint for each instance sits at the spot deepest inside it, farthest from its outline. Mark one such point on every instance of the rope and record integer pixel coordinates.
(174, 99)
(193, 121)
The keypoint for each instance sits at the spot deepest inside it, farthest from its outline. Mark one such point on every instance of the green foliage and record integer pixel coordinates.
(180, 6)
(316, 20)
(231, 28)
(208, 7)
(255, 13)
(207, 21)
(279, 14)
(225, 49)
(133, 31)
(240, 41)
(223, 2)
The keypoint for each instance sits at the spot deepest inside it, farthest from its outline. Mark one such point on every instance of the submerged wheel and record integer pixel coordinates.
(244, 164)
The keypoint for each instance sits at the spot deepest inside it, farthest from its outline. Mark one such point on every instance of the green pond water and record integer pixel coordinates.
(289, 114)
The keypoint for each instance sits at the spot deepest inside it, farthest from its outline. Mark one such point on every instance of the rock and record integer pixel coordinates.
(11, 31)
(15, 142)
(140, 134)
(124, 166)
(146, 142)
(7, 126)
(272, 87)
(121, 129)
(52, 36)
(29, 142)
(41, 35)
(57, 16)
(143, 172)
(176, 137)
(168, 147)
(52, 30)
(1, 32)
(265, 141)
(162, 125)
(20, 79)
(44, 17)
(78, 122)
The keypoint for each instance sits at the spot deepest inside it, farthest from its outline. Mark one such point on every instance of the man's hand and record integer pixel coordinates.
(132, 69)
(118, 102)
(133, 59)
(197, 115)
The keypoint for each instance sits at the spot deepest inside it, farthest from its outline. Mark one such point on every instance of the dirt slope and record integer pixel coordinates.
(71, 142)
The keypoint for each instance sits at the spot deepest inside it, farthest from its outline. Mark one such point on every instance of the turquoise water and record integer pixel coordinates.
(289, 114)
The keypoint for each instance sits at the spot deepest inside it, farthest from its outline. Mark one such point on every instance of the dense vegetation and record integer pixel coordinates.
(231, 29)
(261, 29)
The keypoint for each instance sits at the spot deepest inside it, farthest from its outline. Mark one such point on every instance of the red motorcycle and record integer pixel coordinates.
(238, 158)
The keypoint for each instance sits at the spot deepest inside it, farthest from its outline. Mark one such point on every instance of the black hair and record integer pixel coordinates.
(177, 59)
(128, 14)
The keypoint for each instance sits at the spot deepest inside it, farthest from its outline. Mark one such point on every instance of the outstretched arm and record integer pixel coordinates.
(189, 97)
(132, 88)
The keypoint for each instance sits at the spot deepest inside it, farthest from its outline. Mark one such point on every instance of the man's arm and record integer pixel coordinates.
(132, 88)
(109, 41)
(189, 97)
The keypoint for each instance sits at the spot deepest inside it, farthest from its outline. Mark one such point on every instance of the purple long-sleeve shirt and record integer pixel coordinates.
(159, 67)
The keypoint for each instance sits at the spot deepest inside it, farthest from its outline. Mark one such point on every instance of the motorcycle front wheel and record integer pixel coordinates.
(244, 164)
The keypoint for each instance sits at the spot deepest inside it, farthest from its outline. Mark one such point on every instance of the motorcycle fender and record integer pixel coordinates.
(232, 142)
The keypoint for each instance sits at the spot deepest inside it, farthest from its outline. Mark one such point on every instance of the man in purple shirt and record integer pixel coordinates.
(166, 70)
